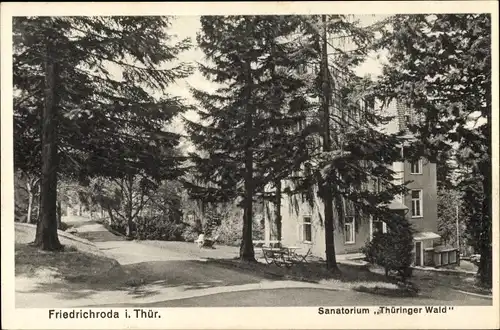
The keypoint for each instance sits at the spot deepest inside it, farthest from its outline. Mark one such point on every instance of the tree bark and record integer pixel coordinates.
(59, 215)
(30, 202)
(246, 248)
(130, 223)
(110, 213)
(46, 235)
(331, 262)
(485, 270)
(39, 210)
(277, 183)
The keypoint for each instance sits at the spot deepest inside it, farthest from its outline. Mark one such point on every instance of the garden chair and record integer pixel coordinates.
(302, 257)
(209, 242)
(268, 255)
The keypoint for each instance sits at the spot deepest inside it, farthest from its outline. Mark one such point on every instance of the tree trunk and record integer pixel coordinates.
(46, 235)
(331, 262)
(39, 210)
(110, 213)
(59, 215)
(277, 183)
(30, 203)
(246, 248)
(277, 205)
(485, 270)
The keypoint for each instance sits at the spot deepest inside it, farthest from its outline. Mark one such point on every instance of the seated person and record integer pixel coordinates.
(201, 240)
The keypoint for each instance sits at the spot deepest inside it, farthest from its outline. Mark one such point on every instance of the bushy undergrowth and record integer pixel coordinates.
(158, 228)
(228, 232)
(393, 250)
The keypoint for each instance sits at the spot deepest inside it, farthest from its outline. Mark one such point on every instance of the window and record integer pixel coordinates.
(416, 167)
(379, 226)
(349, 230)
(307, 229)
(416, 203)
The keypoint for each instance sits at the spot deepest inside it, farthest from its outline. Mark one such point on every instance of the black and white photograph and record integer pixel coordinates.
(337, 161)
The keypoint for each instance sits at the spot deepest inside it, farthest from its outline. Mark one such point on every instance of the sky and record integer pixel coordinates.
(188, 26)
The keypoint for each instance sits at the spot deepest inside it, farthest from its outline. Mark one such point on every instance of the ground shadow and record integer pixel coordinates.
(152, 278)
(92, 230)
(139, 280)
(314, 271)
(99, 236)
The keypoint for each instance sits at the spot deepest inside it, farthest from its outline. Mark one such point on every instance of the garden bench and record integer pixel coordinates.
(286, 256)
(278, 256)
(206, 242)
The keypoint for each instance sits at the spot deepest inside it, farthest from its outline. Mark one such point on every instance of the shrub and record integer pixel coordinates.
(119, 225)
(393, 250)
(159, 228)
(229, 231)
(190, 233)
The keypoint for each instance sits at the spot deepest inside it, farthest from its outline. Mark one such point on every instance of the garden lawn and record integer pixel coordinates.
(80, 264)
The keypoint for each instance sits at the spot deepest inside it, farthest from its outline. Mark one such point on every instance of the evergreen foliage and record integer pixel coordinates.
(393, 250)
(97, 76)
(441, 64)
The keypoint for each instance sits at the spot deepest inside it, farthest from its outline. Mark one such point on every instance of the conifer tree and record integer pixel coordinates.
(347, 152)
(442, 65)
(245, 133)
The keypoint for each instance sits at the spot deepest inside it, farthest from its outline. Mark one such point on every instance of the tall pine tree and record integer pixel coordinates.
(94, 122)
(245, 133)
(347, 152)
(442, 65)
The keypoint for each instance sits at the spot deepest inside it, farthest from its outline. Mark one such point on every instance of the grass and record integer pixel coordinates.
(458, 281)
(363, 278)
(314, 272)
(350, 277)
(390, 291)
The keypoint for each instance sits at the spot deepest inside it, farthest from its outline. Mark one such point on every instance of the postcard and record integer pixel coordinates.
(250, 165)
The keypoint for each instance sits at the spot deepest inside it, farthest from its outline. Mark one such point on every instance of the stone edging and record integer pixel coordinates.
(444, 271)
(476, 294)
